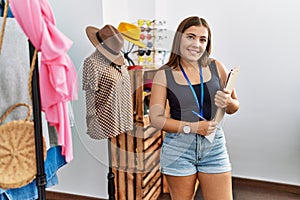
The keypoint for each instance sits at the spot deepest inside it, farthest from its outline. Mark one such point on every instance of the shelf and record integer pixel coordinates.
(136, 154)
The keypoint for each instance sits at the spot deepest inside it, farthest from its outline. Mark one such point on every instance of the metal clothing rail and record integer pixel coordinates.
(41, 176)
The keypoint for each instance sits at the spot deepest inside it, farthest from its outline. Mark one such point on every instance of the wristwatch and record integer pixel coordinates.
(186, 129)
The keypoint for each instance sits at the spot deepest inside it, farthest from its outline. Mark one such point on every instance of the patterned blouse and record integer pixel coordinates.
(108, 97)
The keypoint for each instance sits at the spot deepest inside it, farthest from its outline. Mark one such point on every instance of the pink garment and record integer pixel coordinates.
(57, 74)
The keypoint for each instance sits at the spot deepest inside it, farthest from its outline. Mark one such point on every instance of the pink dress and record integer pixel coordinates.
(57, 74)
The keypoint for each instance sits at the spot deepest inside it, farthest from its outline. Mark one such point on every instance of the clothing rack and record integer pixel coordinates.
(36, 104)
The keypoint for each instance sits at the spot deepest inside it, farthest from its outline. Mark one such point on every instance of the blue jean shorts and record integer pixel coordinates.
(186, 154)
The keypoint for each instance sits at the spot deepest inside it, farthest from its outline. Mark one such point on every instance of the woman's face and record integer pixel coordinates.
(193, 43)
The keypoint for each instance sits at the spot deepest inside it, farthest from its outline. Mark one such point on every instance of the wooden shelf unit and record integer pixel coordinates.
(135, 155)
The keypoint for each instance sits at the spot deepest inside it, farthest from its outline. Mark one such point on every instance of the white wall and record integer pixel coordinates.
(262, 37)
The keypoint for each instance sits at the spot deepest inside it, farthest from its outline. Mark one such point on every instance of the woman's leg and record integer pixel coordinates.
(216, 186)
(182, 187)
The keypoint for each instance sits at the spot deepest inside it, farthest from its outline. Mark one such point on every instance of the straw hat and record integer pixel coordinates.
(108, 41)
(17, 151)
(131, 33)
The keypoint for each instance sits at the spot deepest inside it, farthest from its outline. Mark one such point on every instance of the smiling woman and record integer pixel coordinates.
(190, 51)
(192, 82)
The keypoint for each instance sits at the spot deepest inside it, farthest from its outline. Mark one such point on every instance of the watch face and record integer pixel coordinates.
(186, 129)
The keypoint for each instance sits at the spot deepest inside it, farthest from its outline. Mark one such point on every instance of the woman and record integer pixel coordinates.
(192, 84)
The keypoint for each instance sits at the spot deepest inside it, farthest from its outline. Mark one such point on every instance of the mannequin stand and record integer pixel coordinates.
(110, 175)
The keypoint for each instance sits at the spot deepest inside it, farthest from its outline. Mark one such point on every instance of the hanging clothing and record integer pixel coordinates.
(14, 70)
(108, 97)
(14, 73)
(58, 79)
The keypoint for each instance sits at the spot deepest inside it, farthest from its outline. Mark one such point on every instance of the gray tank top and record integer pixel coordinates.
(182, 101)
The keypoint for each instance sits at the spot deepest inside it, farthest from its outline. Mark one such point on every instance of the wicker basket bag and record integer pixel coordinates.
(17, 150)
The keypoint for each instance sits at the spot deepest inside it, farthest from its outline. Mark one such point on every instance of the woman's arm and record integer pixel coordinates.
(158, 103)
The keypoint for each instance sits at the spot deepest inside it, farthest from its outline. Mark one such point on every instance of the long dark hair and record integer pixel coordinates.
(175, 52)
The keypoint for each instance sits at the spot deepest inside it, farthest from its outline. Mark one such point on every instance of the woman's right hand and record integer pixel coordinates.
(204, 128)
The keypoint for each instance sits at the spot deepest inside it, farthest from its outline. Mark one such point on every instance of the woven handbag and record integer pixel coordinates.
(17, 150)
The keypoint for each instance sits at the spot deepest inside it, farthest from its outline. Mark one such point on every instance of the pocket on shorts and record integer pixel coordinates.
(170, 136)
(220, 137)
(169, 153)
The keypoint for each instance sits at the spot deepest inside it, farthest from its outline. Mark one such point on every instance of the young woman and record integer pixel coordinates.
(193, 86)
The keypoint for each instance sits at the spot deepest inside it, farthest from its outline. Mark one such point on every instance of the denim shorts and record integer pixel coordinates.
(186, 154)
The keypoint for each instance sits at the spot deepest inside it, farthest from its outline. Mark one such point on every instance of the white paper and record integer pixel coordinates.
(230, 83)
(211, 137)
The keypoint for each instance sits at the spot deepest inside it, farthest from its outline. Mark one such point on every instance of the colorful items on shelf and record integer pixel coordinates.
(153, 32)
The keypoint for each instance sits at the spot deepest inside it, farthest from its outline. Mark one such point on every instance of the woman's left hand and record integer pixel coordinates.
(222, 98)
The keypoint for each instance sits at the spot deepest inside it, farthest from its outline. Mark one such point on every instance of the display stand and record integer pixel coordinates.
(110, 175)
(41, 176)
(135, 154)
(154, 35)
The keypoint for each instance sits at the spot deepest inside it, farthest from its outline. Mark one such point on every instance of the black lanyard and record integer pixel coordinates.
(200, 106)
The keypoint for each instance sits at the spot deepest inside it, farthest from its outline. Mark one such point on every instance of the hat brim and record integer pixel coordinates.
(91, 32)
(136, 42)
